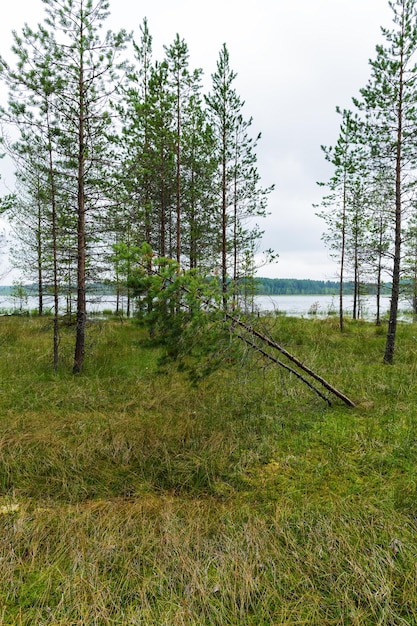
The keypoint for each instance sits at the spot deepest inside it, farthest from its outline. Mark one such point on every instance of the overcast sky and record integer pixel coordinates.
(295, 62)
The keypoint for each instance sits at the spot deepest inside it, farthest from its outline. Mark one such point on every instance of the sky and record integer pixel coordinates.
(296, 60)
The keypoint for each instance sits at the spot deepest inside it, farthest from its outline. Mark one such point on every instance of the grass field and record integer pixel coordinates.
(128, 496)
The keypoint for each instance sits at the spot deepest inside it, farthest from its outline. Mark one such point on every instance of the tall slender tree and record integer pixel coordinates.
(67, 73)
(343, 157)
(380, 233)
(33, 86)
(88, 62)
(239, 193)
(388, 102)
(225, 106)
(182, 83)
(199, 167)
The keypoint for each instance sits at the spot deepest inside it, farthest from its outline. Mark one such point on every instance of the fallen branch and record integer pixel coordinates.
(292, 358)
(284, 365)
(271, 343)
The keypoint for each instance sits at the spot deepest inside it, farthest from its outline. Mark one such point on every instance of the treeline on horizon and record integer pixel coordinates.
(264, 286)
(307, 287)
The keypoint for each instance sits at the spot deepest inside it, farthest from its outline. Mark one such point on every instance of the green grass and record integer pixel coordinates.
(128, 496)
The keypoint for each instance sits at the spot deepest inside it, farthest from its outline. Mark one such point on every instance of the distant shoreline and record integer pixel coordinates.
(264, 287)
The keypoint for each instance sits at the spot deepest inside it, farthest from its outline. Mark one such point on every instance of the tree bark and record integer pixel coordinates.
(396, 272)
(81, 240)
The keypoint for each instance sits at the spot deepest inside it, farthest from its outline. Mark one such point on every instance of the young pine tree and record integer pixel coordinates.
(388, 101)
(87, 60)
(345, 159)
(238, 191)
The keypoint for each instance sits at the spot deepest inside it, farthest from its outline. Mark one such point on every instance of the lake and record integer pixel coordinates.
(290, 305)
(322, 305)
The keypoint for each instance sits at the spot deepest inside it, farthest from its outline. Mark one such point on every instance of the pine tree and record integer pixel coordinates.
(199, 167)
(410, 263)
(66, 72)
(380, 232)
(183, 84)
(345, 158)
(148, 173)
(238, 191)
(388, 102)
(33, 86)
(88, 62)
(131, 220)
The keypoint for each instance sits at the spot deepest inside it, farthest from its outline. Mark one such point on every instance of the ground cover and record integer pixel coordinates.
(129, 496)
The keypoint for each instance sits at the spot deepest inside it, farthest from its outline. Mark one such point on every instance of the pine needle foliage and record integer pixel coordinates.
(182, 311)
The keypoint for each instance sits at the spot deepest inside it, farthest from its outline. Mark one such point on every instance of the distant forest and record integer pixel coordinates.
(305, 286)
(264, 286)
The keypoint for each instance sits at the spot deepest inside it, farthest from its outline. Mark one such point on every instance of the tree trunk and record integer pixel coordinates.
(55, 265)
(379, 275)
(178, 177)
(81, 243)
(224, 217)
(40, 260)
(396, 272)
(342, 254)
